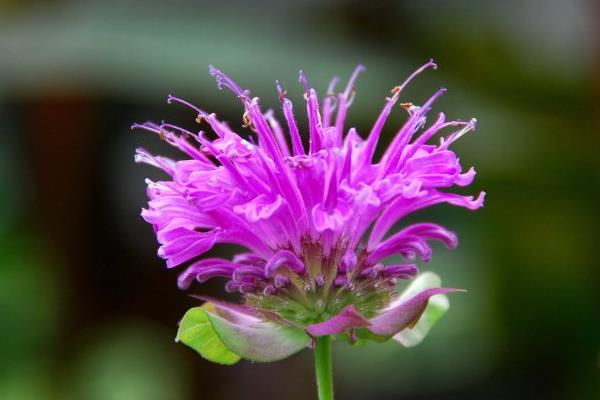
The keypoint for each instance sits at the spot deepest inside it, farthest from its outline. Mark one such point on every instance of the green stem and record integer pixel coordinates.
(323, 368)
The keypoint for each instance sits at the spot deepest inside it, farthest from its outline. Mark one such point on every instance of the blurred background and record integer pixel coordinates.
(88, 311)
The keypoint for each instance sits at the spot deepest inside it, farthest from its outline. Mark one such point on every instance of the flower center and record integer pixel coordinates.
(326, 285)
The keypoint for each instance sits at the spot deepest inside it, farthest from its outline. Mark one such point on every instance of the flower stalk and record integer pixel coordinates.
(324, 368)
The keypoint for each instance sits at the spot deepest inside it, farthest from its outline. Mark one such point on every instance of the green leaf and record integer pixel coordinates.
(197, 331)
(437, 306)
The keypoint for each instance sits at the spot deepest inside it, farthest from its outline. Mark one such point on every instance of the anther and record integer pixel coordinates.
(246, 121)
(282, 95)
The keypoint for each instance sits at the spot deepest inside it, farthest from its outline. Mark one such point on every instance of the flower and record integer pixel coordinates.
(314, 216)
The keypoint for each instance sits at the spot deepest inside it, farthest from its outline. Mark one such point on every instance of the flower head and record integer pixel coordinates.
(313, 210)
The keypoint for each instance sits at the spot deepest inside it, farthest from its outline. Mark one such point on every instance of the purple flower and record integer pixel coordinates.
(313, 211)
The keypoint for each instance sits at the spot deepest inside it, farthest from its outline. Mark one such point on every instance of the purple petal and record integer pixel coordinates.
(346, 319)
(433, 232)
(401, 243)
(401, 271)
(260, 208)
(185, 245)
(204, 270)
(403, 314)
(331, 220)
(249, 259)
(403, 206)
(284, 259)
(251, 337)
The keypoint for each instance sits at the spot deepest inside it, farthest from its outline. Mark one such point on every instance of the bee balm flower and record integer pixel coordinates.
(314, 212)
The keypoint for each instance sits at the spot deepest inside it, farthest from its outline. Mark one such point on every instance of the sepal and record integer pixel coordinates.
(225, 333)
(197, 331)
(408, 319)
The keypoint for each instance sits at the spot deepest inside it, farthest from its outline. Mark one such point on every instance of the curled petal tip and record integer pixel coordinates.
(303, 80)
(481, 198)
(224, 80)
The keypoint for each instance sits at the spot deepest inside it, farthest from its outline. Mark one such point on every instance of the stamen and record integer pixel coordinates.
(167, 136)
(280, 90)
(350, 86)
(330, 102)
(303, 80)
(297, 147)
(344, 102)
(171, 99)
(398, 89)
(457, 135)
(392, 155)
(143, 156)
(431, 131)
(164, 125)
(247, 122)
(315, 126)
(352, 97)
(379, 123)
(224, 80)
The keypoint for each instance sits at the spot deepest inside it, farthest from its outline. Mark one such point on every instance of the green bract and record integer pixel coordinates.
(197, 331)
(437, 306)
(225, 333)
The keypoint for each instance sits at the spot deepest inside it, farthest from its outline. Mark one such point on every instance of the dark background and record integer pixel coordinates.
(87, 311)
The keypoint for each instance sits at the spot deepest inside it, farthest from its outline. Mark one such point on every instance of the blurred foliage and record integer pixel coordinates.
(128, 362)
